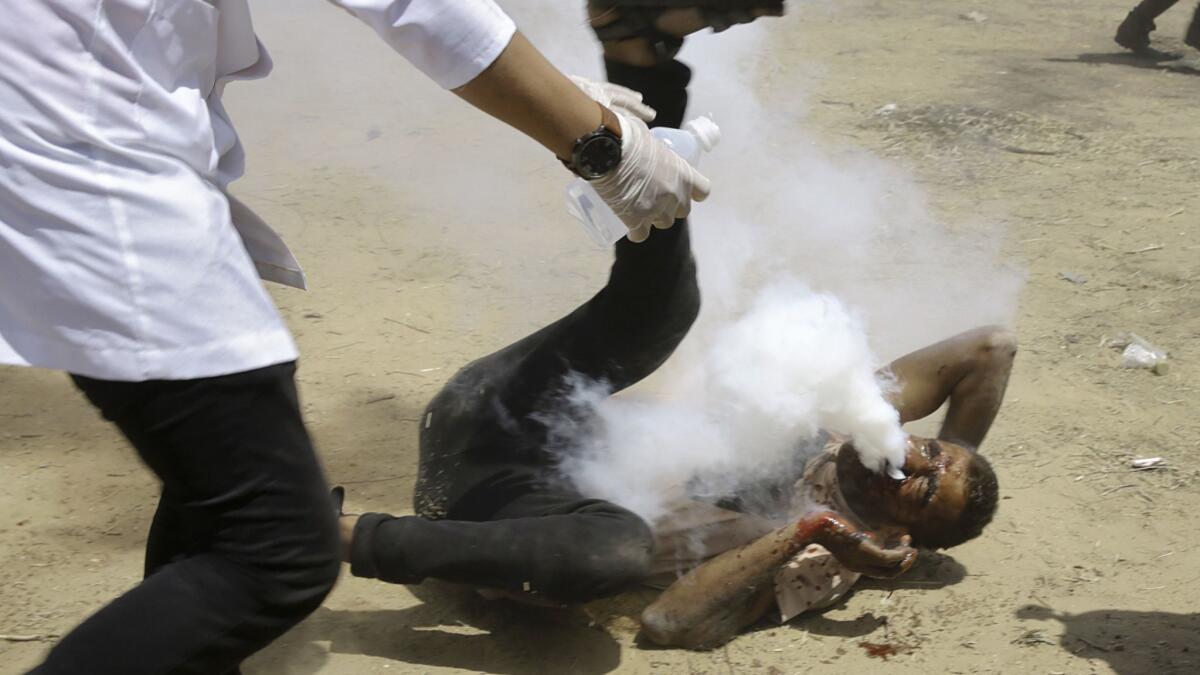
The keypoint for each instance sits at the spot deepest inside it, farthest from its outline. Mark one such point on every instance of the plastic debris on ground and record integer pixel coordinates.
(1138, 352)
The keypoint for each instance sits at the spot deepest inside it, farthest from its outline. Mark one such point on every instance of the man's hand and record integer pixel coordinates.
(652, 186)
(859, 550)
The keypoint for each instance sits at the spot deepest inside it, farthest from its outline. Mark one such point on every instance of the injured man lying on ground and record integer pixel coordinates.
(493, 512)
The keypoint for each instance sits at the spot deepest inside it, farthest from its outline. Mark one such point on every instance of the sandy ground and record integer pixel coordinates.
(1029, 120)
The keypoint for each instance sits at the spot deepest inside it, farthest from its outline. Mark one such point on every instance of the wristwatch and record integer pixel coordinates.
(598, 152)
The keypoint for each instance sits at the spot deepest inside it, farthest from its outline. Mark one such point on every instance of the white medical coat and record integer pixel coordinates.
(121, 255)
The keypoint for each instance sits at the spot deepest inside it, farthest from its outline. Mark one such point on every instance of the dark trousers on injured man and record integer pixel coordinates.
(491, 511)
(244, 543)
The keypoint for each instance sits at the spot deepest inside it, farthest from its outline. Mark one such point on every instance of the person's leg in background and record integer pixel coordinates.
(260, 551)
(1134, 31)
(1192, 37)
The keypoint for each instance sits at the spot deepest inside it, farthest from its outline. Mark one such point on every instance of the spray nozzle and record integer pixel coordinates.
(893, 471)
(705, 130)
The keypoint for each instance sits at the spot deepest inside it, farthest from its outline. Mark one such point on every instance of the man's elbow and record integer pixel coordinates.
(996, 347)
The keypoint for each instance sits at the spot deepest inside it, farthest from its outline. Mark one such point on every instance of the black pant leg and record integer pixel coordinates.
(621, 335)
(233, 454)
(170, 537)
(662, 86)
(1151, 9)
(553, 543)
(495, 409)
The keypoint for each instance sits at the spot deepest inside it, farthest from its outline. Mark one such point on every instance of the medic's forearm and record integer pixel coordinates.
(522, 89)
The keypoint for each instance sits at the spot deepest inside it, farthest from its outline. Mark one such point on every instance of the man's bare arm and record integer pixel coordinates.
(970, 369)
(710, 604)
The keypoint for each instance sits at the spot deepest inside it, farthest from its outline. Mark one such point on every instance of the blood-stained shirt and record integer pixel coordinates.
(692, 532)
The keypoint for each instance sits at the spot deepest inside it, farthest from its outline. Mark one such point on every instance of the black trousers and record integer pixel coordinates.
(490, 510)
(1151, 9)
(244, 543)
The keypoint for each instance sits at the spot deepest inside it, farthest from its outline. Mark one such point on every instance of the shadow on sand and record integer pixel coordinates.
(454, 628)
(1132, 60)
(451, 628)
(1130, 642)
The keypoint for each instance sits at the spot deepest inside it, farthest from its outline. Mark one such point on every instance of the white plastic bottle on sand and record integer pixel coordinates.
(695, 138)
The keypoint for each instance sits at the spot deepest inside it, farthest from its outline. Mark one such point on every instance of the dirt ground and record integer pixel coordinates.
(1084, 158)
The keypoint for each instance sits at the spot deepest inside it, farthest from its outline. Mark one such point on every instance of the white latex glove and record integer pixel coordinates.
(652, 186)
(614, 96)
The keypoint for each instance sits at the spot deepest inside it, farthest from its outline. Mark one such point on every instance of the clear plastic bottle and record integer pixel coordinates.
(694, 139)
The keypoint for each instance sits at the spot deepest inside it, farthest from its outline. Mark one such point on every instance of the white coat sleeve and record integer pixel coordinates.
(451, 41)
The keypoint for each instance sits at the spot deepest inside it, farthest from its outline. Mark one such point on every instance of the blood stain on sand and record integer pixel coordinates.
(884, 650)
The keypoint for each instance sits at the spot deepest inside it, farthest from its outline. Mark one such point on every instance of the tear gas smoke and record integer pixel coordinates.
(767, 382)
(798, 362)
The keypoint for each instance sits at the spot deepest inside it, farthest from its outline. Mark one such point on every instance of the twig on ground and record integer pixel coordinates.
(334, 349)
(407, 325)
(1026, 151)
(1147, 249)
(374, 480)
(9, 637)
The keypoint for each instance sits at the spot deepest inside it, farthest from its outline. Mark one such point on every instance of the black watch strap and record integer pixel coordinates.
(597, 152)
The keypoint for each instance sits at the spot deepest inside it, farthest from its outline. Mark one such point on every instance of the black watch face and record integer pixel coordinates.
(598, 155)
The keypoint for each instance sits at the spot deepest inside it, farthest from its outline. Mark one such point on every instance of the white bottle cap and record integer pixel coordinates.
(705, 130)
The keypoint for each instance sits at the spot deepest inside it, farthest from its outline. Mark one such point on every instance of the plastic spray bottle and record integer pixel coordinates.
(694, 139)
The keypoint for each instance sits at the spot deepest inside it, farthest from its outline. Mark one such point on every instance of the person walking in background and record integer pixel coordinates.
(1134, 31)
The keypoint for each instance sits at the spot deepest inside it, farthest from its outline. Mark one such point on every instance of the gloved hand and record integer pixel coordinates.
(652, 186)
(614, 96)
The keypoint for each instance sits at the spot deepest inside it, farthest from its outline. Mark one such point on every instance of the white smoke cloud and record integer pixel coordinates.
(794, 364)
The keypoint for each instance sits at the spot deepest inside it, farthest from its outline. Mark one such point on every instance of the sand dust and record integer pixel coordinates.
(1029, 118)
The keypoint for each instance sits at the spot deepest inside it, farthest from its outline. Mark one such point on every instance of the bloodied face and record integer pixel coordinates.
(941, 498)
